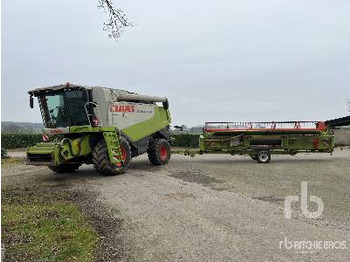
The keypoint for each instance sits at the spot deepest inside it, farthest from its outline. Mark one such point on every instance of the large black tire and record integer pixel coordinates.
(100, 158)
(126, 151)
(159, 152)
(64, 168)
(263, 156)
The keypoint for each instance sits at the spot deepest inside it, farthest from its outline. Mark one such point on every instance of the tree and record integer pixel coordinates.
(117, 20)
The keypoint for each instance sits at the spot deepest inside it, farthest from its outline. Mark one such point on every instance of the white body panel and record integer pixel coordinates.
(125, 114)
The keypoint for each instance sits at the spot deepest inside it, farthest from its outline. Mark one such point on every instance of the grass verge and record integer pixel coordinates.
(9, 161)
(45, 226)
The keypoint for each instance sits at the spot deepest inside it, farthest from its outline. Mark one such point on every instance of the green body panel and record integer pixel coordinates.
(49, 154)
(291, 142)
(201, 143)
(160, 120)
(90, 129)
(73, 150)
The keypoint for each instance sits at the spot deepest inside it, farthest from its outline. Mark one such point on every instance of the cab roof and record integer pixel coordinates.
(48, 89)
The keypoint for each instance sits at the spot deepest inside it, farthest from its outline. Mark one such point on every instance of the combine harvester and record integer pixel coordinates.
(101, 126)
(261, 139)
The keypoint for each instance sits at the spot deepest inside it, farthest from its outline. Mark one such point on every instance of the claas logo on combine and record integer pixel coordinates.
(56, 131)
(124, 108)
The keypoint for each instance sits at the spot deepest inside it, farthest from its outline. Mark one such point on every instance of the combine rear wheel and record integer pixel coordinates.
(159, 152)
(64, 168)
(263, 157)
(101, 161)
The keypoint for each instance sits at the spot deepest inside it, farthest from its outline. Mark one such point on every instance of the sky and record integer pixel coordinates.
(215, 60)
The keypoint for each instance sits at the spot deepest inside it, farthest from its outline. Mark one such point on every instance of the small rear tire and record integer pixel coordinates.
(263, 157)
(159, 152)
(64, 168)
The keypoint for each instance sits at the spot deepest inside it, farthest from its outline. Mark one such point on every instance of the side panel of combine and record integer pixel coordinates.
(138, 121)
(126, 114)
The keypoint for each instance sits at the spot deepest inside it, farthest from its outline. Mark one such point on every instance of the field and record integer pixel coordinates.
(214, 207)
(39, 225)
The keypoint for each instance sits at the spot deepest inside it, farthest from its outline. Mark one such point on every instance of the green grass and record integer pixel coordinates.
(45, 226)
(9, 161)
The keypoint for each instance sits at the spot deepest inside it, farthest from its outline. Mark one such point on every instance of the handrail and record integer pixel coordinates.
(87, 113)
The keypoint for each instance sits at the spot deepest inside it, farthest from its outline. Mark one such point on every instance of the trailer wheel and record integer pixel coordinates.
(64, 168)
(159, 152)
(126, 151)
(101, 161)
(263, 157)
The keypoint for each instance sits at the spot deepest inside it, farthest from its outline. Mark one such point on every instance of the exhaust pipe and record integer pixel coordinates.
(142, 98)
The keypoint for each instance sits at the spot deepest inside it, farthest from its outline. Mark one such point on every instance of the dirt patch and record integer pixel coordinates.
(194, 177)
(108, 227)
(177, 196)
(269, 198)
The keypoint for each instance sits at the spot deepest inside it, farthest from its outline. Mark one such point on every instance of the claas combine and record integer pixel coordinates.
(101, 126)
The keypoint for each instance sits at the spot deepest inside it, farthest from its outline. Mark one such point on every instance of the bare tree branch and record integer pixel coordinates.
(117, 20)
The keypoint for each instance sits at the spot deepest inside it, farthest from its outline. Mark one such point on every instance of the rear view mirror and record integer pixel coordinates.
(31, 102)
(166, 104)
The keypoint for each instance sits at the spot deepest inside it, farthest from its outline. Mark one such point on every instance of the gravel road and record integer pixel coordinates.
(218, 207)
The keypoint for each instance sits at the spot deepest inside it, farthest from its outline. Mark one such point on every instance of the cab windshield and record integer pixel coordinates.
(65, 108)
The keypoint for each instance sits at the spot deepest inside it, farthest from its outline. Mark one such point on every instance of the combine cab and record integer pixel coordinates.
(101, 126)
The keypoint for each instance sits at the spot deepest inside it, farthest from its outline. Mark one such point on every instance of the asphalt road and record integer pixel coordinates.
(219, 207)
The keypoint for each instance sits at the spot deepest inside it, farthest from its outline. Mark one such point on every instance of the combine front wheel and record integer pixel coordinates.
(101, 160)
(126, 151)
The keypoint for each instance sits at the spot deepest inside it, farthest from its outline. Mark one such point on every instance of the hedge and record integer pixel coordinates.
(18, 140)
(9, 141)
(185, 140)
